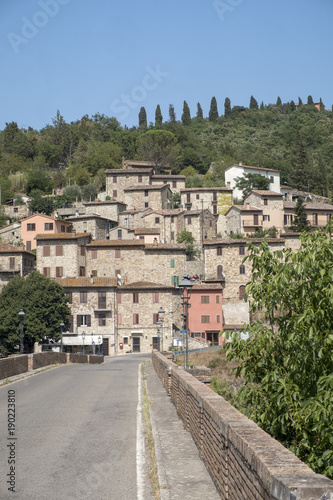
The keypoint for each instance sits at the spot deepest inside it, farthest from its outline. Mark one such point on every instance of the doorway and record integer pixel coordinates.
(136, 344)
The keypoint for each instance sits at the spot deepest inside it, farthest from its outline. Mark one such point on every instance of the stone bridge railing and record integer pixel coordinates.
(15, 365)
(243, 460)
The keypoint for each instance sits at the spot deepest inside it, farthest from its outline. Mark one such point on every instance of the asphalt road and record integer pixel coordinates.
(76, 433)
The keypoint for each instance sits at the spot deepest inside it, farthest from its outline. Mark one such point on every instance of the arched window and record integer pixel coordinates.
(241, 291)
(219, 271)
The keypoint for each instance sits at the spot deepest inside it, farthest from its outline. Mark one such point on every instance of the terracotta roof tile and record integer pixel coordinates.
(146, 230)
(129, 170)
(86, 282)
(116, 243)
(264, 192)
(61, 236)
(8, 248)
(144, 285)
(147, 187)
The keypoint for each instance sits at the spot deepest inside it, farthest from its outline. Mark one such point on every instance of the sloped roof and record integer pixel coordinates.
(147, 187)
(116, 243)
(146, 230)
(129, 170)
(148, 285)
(263, 192)
(167, 212)
(61, 236)
(262, 169)
(8, 248)
(86, 282)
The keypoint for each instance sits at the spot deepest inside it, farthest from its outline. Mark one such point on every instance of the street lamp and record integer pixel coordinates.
(161, 311)
(83, 337)
(99, 344)
(62, 326)
(159, 338)
(186, 286)
(21, 315)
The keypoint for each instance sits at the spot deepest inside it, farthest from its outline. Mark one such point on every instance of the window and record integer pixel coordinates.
(125, 340)
(28, 245)
(174, 280)
(155, 318)
(242, 269)
(114, 193)
(94, 273)
(255, 220)
(242, 291)
(146, 192)
(204, 299)
(71, 321)
(83, 297)
(82, 251)
(242, 250)
(46, 271)
(172, 219)
(141, 237)
(126, 221)
(114, 179)
(197, 197)
(217, 297)
(48, 226)
(31, 227)
(139, 178)
(94, 254)
(215, 196)
(120, 319)
(188, 197)
(315, 219)
(146, 204)
(135, 319)
(218, 318)
(82, 271)
(46, 251)
(62, 229)
(172, 235)
(328, 217)
(135, 298)
(59, 272)
(119, 234)
(83, 320)
(69, 295)
(219, 272)
(174, 184)
(15, 210)
(205, 319)
(59, 250)
(219, 251)
(117, 253)
(101, 300)
(157, 220)
(11, 262)
(172, 262)
(210, 223)
(265, 201)
(102, 320)
(189, 220)
(156, 297)
(214, 210)
(267, 217)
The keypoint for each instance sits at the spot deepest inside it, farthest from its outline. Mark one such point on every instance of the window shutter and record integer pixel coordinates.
(71, 324)
(88, 320)
(78, 320)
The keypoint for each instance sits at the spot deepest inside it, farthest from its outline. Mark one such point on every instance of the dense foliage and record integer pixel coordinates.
(45, 307)
(296, 140)
(287, 361)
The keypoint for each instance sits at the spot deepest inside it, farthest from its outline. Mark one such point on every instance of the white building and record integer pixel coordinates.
(231, 174)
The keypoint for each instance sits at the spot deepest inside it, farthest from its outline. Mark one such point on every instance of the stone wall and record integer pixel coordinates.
(243, 460)
(13, 366)
(48, 358)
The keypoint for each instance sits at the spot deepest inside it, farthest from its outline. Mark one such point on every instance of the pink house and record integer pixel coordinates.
(41, 224)
(205, 319)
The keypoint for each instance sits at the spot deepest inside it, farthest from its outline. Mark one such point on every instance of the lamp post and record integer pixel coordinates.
(62, 325)
(83, 337)
(99, 344)
(21, 315)
(161, 313)
(159, 338)
(186, 286)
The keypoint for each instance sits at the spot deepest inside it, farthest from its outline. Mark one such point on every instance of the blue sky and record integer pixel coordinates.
(84, 56)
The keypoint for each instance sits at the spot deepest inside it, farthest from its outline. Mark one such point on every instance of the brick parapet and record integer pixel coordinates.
(243, 460)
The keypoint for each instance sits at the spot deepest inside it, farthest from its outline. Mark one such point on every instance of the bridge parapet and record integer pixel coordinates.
(243, 460)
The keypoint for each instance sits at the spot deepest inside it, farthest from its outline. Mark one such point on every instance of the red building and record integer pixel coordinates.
(205, 314)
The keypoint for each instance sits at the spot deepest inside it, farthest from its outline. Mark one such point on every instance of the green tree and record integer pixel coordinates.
(321, 105)
(159, 147)
(300, 222)
(187, 238)
(89, 192)
(300, 102)
(262, 106)
(41, 204)
(172, 114)
(199, 111)
(287, 361)
(175, 200)
(278, 102)
(299, 174)
(158, 117)
(3, 218)
(142, 119)
(213, 111)
(186, 116)
(38, 179)
(45, 307)
(249, 182)
(310, 101)
(72, 193)
(253, 103)
(227, 107)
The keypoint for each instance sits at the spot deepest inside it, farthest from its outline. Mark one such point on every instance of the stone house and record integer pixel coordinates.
(169, 223)
(138, 164)
(318, 214)
(147, 196)
(175, 182)
(133, 218)
(14, 261)
(62, 255)
(216, 199)
(121, 233)
(11, 234)
(96, 225)
(271, 204)
(137, 316)
(234, 171)
(151, 236)
(205, 314)
(16, 212)
(41, 224)
(108, 209)
(243, 219)
(93, 305)
(117, 180)
(201, 224)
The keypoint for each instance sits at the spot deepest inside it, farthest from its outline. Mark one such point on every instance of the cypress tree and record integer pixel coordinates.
(227, 107)
(199, 111)
(278, 102)
(262, 106)
(300, 222)
(300, 103)
(292, 106)
(213, 112)
(253, 103)
(186, 116)
(310, 101)
(172, 114)
(300, 174)
(319, 178)
(158, 117)
(143, 119)
(321, 105)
